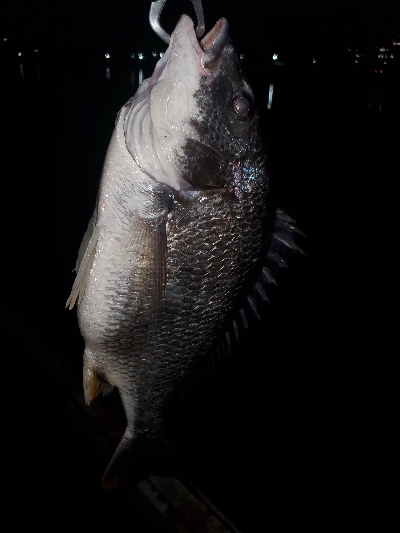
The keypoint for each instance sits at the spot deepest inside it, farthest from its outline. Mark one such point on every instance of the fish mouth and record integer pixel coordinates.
(208, 50)
(214, 42)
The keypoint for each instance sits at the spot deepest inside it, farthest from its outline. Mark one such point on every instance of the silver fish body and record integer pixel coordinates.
(182, 225)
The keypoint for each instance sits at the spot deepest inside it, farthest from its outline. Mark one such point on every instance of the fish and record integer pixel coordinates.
(184, 241)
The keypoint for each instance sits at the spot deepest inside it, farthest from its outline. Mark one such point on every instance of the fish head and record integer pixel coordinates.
(193, 124)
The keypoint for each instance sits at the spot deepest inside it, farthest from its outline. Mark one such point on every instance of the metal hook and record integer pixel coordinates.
(155, 13)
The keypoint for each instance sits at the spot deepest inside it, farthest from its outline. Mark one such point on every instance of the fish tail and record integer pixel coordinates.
(116, 471)
(136, 457)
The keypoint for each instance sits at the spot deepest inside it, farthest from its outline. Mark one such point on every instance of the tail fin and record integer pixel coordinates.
(116, 471)
(136, 457)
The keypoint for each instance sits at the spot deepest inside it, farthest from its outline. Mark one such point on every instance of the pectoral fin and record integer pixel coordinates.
(86, 239)
(85, 264)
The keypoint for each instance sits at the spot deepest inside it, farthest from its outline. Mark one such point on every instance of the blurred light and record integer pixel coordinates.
(36, 50)
(107, 56)
(132, 55)
(356, 61)
(391, 55)
(314, 60)
(381, 72)
(4, 38)
(381, 49)
(275, 57)
(385, 62)
(140, 55)
(140, 76)
(241, 56)
(21, 70)
(154, 54)
(108, 73)
(19, 54)
(270, 95)
(161, 54)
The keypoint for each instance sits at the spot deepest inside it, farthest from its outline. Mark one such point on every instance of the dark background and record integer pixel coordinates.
(301, 432)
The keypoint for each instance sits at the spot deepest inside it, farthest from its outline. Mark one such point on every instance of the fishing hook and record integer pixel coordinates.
(155, 13)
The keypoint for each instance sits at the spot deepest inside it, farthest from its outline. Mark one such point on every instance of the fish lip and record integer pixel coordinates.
(210, 48)
(213, 43)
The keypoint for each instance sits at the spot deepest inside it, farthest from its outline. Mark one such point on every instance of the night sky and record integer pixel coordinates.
(294, 25)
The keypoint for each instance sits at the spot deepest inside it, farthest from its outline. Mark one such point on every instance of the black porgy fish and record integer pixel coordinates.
(184, 237)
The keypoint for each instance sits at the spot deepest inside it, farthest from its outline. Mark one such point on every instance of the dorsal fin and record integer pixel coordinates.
(281, 248)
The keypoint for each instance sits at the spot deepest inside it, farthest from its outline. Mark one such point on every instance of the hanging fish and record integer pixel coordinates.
(184, 238)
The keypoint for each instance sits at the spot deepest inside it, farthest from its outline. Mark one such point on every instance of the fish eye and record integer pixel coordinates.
(243, 106)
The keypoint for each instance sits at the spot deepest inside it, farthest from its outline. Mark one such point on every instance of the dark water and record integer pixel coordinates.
(302, 431)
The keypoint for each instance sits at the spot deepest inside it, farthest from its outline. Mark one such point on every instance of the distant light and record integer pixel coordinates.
(381, 72)
(140, 55)
(356, 61)
(4, 38)
(314, 60)
(270, 95)
(19, 54)
(107, 56)
(161, 54)
(154, 54)
(275, 57)
(385, 62)
(132, 55)
(241, 56)
(108, 73)
(36, 50)
(382, 49)
(391, 55)
(349, 49)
